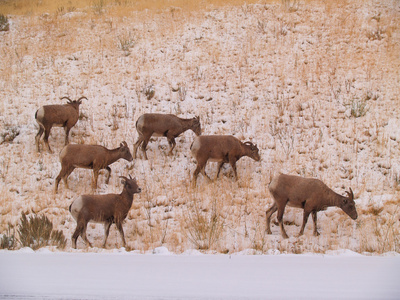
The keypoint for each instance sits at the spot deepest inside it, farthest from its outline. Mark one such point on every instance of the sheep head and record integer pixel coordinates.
(348, 205)
(253, 151)
(196, 126)
(125, 152)
(130, 184)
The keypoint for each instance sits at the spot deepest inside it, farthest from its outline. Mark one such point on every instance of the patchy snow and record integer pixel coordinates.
(290, 80)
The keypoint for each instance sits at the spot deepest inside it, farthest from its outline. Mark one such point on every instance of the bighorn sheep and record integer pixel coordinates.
(312, 195)
(167, 125)
(65, 115)
(220, 148)
(94, 157)
(106, 209)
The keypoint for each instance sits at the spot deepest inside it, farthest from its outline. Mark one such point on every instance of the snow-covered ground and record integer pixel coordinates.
(314, 85)
(125, 275)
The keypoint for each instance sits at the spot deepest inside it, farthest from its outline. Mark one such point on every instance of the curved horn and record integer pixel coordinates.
(83, 97)
(66, 98)
(123, 177)
(123, 144)
(350, 194)
(249, 143)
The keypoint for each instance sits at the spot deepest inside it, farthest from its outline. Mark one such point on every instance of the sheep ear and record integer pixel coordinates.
(350, 194)
(124, 179)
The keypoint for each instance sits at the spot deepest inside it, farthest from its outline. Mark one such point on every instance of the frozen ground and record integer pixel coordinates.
(314, 85)
(123, 275)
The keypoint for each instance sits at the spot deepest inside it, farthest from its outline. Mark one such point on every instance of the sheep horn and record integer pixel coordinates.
(83, 97)
(124, 178)
(123, 144)
(350, 194)
(66, 98)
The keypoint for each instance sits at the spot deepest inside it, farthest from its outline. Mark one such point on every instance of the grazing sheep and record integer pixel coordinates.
(220, 148)
(167, 125)
(57, 115)
(312, 195)
(106, 209)
(93, 157)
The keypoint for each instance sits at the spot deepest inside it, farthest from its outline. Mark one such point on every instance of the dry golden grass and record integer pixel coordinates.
(115, 7)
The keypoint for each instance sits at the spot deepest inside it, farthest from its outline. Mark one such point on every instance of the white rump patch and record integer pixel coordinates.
(274, 183)
(195, 146)
(40, 115)
(76, 207)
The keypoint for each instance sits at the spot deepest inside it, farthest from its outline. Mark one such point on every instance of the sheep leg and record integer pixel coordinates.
(75, 236)
(305, 218)
(232, 162)
(46, 138)
(269, 213)
(84, 237)
(201, 168)
(65, 177)
(109, 174)
(281, 210)
(195, 174)
(172, 144)
(106, 232)
(136, 145)
(80, 231)
(37, 138)
(220, 164)
(203, 171)
(121, 231)
(64, 173)
(66, 129)
(314, 215)
(95, 178)
(144, 145)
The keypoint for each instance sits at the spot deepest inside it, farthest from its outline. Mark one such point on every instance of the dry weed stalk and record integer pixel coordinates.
(203, 228)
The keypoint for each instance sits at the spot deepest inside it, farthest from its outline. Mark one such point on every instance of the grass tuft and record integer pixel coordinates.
(37, 232)
(4, 24)
(8, 240)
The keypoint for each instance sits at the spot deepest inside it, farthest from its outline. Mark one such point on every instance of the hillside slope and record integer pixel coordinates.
(314, 85)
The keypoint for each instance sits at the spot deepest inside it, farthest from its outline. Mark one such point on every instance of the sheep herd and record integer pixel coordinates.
(312, 195)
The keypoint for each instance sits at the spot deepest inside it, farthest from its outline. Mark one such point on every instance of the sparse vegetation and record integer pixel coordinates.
(203, 228)
(359, 107)
(8, 240)
(126, 42)
(9, 133)
(37, 231)
(4, 24)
